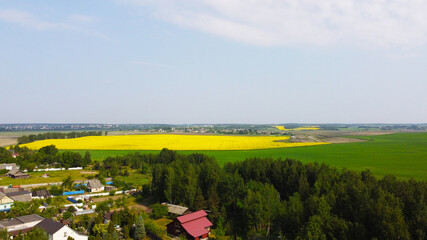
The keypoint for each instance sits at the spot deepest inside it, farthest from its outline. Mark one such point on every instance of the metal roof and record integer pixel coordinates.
(195, 223)
(20, 220)
(22, 196)
(192, 216)
(176, 209)
(197, 228)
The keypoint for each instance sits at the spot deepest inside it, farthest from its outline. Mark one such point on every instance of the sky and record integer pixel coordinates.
(213, 61)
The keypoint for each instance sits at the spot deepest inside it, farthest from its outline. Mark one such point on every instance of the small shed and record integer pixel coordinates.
(177, 209)
(40, 194)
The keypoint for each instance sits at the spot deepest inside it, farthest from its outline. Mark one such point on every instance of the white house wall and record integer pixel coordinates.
(65, 232)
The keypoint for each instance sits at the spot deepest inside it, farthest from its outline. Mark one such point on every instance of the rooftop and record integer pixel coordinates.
(20, 220)
(176, 209)
(50, 226)
(94, 184)
(192, 216)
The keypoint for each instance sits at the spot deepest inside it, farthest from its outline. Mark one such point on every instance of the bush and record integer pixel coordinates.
(159, 210)
(151, 226)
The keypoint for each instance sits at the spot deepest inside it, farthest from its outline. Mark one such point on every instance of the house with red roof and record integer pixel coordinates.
(194, 226)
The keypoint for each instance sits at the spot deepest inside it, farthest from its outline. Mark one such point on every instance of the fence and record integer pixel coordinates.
(73, 193)
(54, 169)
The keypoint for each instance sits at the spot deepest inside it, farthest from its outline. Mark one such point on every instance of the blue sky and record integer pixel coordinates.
(213, 61)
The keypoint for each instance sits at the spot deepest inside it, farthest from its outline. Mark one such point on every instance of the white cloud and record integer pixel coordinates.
(76, 22)
(366, 23)
(28, 20)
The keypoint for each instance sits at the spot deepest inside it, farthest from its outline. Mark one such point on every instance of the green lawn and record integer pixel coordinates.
(135, 178)
(401, 154)
(36, 177)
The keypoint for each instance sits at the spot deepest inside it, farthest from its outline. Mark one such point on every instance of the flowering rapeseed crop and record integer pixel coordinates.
(175, 142)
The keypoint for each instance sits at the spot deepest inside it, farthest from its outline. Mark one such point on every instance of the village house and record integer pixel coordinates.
(8, 166)
(5, 202)
(176, 209)
(194, 226)
(59, 231)
(21, 196)
(23, 223)
(55, 230)
(95, 186)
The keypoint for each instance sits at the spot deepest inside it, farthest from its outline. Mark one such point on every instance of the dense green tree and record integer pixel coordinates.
(159, 210)
(67, 183)
(139, 228)
(126, 232)
(37, 234)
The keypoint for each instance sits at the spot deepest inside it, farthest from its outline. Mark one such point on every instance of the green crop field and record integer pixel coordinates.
(401, 154)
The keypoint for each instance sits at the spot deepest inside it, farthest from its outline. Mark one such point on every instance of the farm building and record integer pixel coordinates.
(5, 202)
(59, 231)
(40, 194)
(194, 226)
(95, 186)
(16, 174)
(176, 209)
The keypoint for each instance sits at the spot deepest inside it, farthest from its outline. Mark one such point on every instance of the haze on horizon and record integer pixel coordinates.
(213, 61)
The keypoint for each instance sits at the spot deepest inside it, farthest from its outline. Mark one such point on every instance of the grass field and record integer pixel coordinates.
(135, 178)
(401, 154)
(36, 177)
(176, 142)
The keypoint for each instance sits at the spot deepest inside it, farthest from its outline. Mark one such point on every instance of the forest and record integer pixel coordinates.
(56, 135)
(45, 156)
(264, 198)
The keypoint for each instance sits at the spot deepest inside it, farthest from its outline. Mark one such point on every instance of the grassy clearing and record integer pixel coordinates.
(36, 177)
(401, 154)
(135, 178)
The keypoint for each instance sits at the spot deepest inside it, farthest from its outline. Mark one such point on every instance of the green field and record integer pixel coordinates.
(36, 177)
(135, 178)
(401, 154)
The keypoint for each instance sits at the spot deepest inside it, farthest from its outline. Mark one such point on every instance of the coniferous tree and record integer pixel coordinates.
(139, 228)
(126, 232)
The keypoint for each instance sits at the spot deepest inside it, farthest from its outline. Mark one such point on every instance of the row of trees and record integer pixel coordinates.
(56, 135)
(45, 156)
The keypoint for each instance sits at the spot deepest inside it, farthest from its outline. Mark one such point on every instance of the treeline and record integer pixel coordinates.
(47, 156)
(56, 135)
(268, 198)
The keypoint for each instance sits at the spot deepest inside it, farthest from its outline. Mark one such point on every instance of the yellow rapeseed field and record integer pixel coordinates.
(175, 142)
(297, 129)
